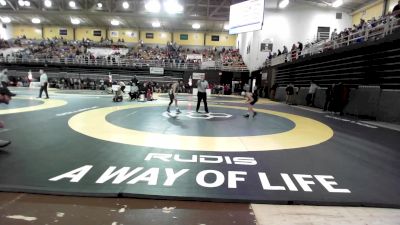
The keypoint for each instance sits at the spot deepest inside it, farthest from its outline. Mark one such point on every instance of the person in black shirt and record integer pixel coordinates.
(5, 97)
(300, 47)
(289, 94)
(135, 80)
(328, 97)
(273, 91)
(251, 99)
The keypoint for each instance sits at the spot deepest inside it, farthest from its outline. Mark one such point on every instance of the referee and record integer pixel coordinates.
(43, 84)
(202, 86)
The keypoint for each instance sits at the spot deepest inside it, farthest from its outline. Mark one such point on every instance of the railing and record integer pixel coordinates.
(384, 27)
(127, 63)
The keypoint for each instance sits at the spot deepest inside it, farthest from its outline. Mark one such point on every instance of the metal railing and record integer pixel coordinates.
(383, 27)
(122, 63)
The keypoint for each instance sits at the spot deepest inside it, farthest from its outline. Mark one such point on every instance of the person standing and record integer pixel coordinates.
(202, 86)
(4, 78)
(334, 34)
(328, 97)
(273, 91)
(173, 97)
(251, 99)
(30, 77)
(5, 97)
(311, 94)
(289, 94)
(43, 84)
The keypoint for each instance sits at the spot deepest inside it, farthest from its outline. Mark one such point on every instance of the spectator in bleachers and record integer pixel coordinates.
(285, 50)
(300, 48)
(294, 52)
(334, 34)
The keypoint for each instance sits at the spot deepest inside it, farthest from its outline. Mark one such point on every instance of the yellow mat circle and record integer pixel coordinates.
(47, 104)
(307, 132)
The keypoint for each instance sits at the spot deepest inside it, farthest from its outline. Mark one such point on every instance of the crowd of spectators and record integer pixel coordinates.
(231, 57)
(59, 50)
(353, 34)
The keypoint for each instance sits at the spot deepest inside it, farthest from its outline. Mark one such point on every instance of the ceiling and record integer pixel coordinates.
(212, 15)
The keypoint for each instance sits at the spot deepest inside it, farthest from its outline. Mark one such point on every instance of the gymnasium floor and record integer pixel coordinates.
(80, 143)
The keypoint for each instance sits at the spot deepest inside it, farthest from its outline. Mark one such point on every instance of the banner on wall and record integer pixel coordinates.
(131, 34)
(114, 34)
(195, 56)
(156, 70)
(198, 76)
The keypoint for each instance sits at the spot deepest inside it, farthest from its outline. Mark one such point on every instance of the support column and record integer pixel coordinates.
(385, 7)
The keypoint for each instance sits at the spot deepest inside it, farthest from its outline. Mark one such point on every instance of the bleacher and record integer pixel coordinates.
(371, 71)
(369, 63)
(57, 52)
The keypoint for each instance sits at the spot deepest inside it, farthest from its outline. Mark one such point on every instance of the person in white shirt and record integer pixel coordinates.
(133, 93)
(30, 77)
(122, 85)
(311, 93)
(4, 78)
(43, 84)
(202, 86)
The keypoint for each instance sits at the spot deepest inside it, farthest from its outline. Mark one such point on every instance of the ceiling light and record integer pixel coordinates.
(337, 3)
(153, 6)
(3, 2)
(125, 5)
(196, 26)
(72, 4)
(156, 24)
(21, 2)
(27, 3)
(5, 19)
(114, 22)
(75, 21)
(283, 4)
(173, 7)
(226, 27)
(36, 20)
(99, 5)
(47, 3)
